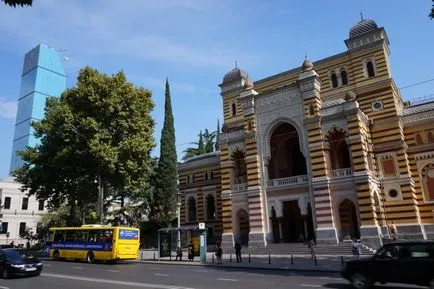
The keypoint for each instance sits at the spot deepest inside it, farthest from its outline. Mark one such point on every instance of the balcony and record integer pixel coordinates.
(239, 188)
(288, 182)
(342, 173)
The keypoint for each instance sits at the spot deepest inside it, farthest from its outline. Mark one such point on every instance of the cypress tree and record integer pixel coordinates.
(217, 135)
(166, 178)
(201, 149)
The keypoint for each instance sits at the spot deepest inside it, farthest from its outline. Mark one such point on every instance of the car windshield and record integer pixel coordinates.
(13, 255)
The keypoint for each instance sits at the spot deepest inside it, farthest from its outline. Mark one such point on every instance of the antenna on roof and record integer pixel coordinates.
(361, 16)
(236, 64)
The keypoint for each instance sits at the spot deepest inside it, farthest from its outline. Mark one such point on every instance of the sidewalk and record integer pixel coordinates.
(273, 262)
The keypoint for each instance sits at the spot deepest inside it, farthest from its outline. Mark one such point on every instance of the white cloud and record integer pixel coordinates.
(8, 109)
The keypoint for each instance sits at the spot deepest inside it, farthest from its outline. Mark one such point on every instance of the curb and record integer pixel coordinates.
(283, 268)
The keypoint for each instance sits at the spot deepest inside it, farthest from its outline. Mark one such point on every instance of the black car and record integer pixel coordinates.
(408, 262)
(14, 263)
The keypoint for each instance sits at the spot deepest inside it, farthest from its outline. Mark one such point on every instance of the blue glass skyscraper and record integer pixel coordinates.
(43, 76)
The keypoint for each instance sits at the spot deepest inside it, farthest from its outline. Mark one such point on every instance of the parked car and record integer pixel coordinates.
(408, 262)
(14, 263)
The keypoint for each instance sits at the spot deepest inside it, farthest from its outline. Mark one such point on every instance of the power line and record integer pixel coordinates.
(419, 83)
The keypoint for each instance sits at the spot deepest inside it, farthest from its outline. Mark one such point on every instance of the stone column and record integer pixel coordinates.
(280, 230)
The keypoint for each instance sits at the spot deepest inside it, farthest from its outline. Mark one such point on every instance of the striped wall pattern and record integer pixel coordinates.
(256, 214)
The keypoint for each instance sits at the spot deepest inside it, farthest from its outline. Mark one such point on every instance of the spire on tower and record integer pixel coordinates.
(361, 16)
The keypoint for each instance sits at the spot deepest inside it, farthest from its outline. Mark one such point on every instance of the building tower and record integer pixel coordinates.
(43, 76)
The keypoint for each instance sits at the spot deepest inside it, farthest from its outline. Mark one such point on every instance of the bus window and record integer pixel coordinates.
(70, 235)
(82, 235)
(94, 235)
(59, 236)
(106, 236)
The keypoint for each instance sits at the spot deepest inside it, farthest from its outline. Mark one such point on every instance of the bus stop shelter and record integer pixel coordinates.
(170, 238)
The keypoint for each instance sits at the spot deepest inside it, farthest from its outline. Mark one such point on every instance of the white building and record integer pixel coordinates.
(18, 212)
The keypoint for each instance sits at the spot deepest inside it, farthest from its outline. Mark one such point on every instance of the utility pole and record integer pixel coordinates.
(100, 200)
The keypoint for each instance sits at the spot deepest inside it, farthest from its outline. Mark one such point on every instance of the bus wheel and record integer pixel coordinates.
(90, 258)
(56, 255)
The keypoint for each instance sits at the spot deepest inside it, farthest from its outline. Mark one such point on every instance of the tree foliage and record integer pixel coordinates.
(14, 3)
(431, 15)
(207, 143)
(102, 126)
(164, 200)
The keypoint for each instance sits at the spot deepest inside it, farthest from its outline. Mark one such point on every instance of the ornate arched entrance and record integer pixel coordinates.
(243, 227)
(286, 159)
(293, 222)
(349, 221)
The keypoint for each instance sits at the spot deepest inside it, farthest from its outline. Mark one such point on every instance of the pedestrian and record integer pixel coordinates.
(301, 238)
(190, 251)
(178, 254)
(356, 248)
(393, 231)
(12, 244)
(219, 253)
(238, 252)
(312, 248)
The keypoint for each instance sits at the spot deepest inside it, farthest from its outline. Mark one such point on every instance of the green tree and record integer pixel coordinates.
(217, 136)
(431, 15)
(14, 3)
(164, 200)
(201, 148)
(99, 129)
(206, 144)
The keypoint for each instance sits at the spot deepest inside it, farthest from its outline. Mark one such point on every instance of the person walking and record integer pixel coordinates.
(178, 254)
(312, 248)
(238, 252)
(393, 231)
(356, 248)
(219, 254)
(190, 251)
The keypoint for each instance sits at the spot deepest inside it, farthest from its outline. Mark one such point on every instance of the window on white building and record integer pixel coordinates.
(22, 230)
(7, 204)
(41, 205)
(25, 204)
(4, 228)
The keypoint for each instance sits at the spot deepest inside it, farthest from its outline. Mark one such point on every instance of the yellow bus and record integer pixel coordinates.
(93, 243)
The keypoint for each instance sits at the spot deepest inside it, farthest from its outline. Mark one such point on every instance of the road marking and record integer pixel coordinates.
(111, 270)
(3, 287)
(201, 271)
(46, 265)
(310, 285)
(125, 283)
(159, 274)
(224, 279)
(330, 278)
(78, 268)
(155, 268)
(255, 274)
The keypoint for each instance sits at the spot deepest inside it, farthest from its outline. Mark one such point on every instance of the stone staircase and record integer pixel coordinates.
(341, 249)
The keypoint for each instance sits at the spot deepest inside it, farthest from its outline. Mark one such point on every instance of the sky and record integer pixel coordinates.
(195, 42)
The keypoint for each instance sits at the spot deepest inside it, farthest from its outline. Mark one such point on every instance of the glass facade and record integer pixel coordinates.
(43, 76)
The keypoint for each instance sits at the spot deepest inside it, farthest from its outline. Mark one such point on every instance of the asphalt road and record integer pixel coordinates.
(74, 275)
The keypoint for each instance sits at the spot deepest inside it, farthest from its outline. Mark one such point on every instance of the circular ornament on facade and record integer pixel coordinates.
(393, 193)
(377, 105)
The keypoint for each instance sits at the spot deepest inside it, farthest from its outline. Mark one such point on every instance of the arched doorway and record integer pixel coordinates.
(293, 222)
(349, 222)
(244, 227)
(286, 158)
(339, 152)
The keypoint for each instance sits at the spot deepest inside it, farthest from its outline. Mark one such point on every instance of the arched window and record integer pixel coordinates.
(370, 69)
(430, 137)
(206, 176)
(191, 209)
(193, 179)
(428, 182)
(234, 109)
(311, 110)
(210, 207)
(334, 80)
(344, 77)
(418, 139)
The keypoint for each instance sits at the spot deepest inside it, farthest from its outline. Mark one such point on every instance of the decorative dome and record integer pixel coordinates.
(248, 84)
(350, 96)
(364, 26)
(234, 74)
(307, 64)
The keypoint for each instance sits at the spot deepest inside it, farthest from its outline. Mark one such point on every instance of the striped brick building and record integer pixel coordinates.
(328, 150)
